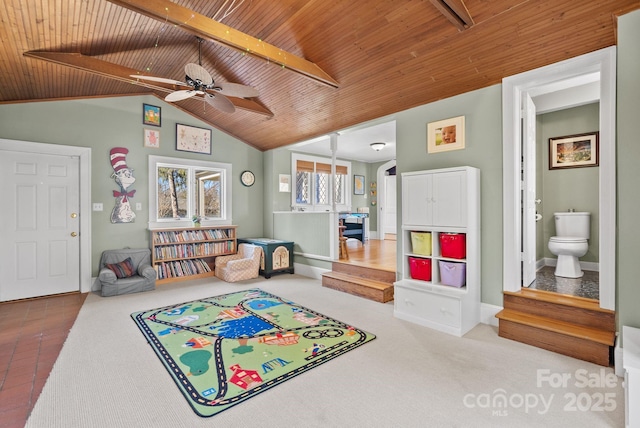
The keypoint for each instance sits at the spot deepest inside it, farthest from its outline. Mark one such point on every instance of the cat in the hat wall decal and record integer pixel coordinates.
(123, 176)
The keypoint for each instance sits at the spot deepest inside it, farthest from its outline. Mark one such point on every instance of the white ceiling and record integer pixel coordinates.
(354, 143)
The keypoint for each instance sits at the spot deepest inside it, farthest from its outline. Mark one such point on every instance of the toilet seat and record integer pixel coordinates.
(567, 239)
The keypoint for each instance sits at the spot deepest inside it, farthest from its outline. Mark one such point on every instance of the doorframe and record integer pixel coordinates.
(603, 61)
(84, 155)
(382, 195)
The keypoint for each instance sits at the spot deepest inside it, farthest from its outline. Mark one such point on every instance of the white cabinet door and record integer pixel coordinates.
(449, 196)
(435, 199)
(416, 194)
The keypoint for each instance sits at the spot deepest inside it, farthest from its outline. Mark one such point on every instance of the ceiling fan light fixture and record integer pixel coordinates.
(378, 146)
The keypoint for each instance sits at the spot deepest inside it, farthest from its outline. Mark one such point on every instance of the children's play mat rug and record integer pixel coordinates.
(226, 349)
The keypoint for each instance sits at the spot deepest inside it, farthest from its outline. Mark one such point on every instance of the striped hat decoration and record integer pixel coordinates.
(118, 158)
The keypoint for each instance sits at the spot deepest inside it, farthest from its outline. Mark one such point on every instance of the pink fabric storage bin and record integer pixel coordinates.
(453, 273)
(420, 268)
(453, 245)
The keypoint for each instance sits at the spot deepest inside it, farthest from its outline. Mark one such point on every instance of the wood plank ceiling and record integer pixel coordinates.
(386, 55)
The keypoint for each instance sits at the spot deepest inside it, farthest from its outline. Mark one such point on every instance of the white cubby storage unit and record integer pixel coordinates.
(437, 202)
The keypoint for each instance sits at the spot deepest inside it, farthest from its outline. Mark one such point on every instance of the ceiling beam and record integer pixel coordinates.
(209, 29)
(455, 11)
(118, 72)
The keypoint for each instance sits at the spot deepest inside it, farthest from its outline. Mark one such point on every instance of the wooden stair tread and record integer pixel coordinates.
(557, 326)
(371, 283)
(560, 299)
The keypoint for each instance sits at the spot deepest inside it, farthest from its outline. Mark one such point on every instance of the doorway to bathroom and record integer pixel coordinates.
(520, 256)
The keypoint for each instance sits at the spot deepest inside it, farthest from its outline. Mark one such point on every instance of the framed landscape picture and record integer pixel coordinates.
(573, 151)
(193, 139)
(151, 115)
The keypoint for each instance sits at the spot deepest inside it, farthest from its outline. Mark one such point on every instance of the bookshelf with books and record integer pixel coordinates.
(189, 253)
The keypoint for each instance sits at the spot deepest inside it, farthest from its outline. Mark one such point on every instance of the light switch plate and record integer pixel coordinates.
(97, 206)
(138, 206)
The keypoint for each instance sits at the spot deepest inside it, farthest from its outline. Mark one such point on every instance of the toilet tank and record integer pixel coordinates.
(577, 224)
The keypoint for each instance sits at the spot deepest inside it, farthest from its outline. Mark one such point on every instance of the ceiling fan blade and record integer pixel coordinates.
(196, 72)
(157, 79)
(237, 90)
(220, 102)
(180, 95)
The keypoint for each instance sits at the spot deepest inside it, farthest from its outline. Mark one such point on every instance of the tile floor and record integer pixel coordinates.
(587, 286)
(32, 333)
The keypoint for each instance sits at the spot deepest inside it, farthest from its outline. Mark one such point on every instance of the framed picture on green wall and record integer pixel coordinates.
(573, 151)
(358, 184)
(151, 115)
(445, 135)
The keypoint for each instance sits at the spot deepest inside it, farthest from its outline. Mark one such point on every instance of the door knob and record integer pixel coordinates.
(74, 215)
(73, 234)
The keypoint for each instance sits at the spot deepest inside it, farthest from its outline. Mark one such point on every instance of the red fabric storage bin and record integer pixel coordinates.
(420, 268)
(453, 245)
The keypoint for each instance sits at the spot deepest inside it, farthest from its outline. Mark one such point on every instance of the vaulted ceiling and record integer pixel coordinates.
(319, 65)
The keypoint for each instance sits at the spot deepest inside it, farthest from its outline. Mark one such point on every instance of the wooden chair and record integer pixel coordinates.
(343, 253)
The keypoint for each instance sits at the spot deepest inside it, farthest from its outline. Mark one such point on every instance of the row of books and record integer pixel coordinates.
(181, 268)
(167, 237)
(204, 249)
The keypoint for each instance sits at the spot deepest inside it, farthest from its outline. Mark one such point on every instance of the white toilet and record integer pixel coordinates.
(570, 243)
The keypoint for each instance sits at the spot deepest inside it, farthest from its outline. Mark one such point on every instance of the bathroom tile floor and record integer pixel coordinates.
(587, 286)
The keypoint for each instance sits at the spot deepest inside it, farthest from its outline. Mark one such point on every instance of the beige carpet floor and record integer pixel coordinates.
(410, 376)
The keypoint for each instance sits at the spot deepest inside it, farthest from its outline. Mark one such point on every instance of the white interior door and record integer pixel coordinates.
(39, 252)
(390, 204)
(529, 191)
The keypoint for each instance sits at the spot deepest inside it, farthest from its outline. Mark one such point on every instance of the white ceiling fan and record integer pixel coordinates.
(200, 82)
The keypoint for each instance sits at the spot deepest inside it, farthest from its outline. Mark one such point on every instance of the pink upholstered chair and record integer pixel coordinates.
(237, 267)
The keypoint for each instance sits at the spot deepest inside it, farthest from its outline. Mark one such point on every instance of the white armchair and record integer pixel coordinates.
(237, 267)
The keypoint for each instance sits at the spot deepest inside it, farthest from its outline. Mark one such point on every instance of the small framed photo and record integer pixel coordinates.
(573, 151)
(193, 139)
(284, 183)
(151, 138)
(150, 115)
(445, 135)
(358, 184)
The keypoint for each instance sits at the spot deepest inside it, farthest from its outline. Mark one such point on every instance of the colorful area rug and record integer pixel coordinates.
(226, 349)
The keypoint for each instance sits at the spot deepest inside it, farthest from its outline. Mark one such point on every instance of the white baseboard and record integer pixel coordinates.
(617, 358)
(309, 271)
(488, 314)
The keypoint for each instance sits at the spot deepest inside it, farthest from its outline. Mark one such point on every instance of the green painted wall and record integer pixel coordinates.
(483, 123)
(575, 188)
(628, 177)
(103, 123)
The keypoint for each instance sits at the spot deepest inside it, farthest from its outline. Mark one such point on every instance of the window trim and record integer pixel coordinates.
(295, 157)
(226, 170)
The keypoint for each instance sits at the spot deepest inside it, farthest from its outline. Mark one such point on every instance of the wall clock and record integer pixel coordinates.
(247, 178)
